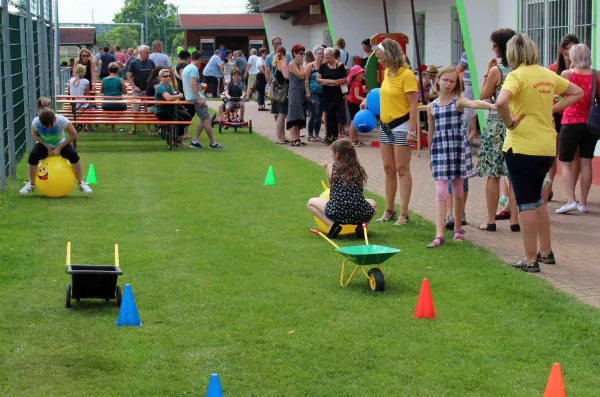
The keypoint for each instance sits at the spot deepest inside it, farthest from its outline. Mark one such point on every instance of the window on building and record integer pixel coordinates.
(458, 45)
(547, 21)
(420, 39)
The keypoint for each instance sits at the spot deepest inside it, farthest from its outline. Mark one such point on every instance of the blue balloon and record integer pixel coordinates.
(373, 101)
(364, 121)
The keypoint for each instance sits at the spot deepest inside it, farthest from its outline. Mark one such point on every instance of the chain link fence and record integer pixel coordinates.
(28, 66)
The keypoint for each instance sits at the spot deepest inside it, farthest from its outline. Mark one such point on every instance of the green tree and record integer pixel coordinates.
(252, 6)
(161, 17)
(102, 40)
(124, 37)
(178, 40)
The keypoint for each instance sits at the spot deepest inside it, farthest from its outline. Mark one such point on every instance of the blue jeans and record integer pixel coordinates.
(316, 112)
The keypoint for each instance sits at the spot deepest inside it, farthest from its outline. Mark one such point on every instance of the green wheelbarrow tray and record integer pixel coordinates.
(365, 255)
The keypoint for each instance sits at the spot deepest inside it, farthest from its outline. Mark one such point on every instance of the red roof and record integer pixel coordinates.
(215, 21)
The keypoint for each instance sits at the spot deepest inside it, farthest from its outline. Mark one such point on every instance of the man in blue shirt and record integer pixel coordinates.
(212, 72)
(190, 79)
(277, 42)
(222, 51)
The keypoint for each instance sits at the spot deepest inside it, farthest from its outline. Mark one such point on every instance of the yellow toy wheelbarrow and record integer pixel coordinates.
(363, 255)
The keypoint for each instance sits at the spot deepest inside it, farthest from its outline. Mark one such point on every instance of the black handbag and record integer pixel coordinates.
(279, 91)
(593, 122)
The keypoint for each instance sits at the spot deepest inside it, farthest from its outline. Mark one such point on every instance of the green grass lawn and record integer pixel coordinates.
(223, 270)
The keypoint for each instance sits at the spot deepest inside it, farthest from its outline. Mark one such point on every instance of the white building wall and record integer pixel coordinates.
(355, 20)
(438, 39)
(506, 10)
(290, 34)
(316, 35)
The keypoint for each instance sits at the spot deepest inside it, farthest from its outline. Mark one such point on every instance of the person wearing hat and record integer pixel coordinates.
(431, 74)
(356, 94)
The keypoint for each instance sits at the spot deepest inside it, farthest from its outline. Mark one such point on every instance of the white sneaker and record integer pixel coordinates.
(582, 208)
(27, 189)
(85, 188)
(567, 208)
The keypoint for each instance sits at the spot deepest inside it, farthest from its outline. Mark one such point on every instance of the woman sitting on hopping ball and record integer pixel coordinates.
(347, 204)
(48, 129)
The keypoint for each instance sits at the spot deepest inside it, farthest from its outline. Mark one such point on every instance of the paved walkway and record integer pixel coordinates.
(576, 238)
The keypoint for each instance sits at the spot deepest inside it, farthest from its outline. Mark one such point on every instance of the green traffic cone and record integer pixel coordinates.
(91, 176)
(270, 179)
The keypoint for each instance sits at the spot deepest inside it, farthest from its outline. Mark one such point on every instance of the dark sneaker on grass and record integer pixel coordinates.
(548, 259)
(197, 145)
(216, 145)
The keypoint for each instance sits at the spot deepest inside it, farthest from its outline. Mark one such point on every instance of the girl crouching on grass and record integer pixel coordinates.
(48, 129)
(347, 204)
(451, 158)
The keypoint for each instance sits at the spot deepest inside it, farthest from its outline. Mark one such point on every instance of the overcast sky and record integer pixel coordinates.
(102, 11)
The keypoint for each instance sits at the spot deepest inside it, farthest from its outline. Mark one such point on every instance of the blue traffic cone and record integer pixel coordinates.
(128, 315)
(214, 387)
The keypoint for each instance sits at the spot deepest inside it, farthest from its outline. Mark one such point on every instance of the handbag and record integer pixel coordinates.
(279, 91)
(593, 122)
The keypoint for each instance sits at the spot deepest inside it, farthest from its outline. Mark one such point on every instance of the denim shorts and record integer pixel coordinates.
(527, 174)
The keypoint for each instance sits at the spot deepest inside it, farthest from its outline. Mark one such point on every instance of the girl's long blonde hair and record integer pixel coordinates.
(458, 88)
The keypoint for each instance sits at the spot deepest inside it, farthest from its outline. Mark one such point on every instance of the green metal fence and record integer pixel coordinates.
(28, 66)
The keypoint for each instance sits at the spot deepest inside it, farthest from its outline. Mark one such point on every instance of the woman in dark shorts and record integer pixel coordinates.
(574, 135)
(562, 63)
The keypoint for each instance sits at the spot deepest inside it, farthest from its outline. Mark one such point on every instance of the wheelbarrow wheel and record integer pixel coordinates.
(376, 280)
(118, 296)
(68, 296)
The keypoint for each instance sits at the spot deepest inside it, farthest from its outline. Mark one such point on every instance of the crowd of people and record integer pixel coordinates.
(534, 113)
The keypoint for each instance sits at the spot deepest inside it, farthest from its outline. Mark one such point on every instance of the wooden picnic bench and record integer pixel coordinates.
(83, 115)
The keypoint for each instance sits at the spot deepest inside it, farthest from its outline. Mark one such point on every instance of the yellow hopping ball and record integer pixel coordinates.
(55, 177)
(346, 229)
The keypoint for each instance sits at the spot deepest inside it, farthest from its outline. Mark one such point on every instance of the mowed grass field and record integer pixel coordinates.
(227, 279)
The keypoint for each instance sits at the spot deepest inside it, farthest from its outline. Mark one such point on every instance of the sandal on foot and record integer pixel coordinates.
(399, 222)
(436, 242)
(131, 132)
(388, 215)
(515, 228)
(459, 235)
(488, 227)
(298, 142)
(283, 142)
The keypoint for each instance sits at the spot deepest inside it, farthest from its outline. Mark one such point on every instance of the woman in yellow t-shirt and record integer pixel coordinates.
(525, 106)
(399, 114)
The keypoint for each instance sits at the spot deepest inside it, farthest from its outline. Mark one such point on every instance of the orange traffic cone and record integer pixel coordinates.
(555, 386)
(425, 307)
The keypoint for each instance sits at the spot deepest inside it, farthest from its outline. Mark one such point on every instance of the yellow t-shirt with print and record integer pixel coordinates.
(392, 98)
(533, 88)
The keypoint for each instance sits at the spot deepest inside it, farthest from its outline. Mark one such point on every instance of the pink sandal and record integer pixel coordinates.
(459, 235)
(437, 242)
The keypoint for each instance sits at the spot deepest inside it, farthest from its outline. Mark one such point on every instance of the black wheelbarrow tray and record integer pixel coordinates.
(93, 281)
